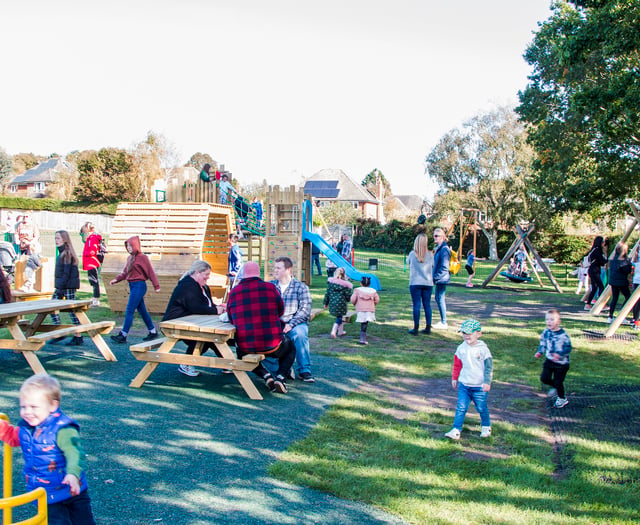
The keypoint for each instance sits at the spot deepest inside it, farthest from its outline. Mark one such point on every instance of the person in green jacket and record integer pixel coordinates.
(337, 298)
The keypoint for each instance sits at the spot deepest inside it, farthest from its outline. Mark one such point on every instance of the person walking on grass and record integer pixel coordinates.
(635, 283)
(365, 300)
(619, 269)
(420, 261)
(136, 272)
(472, 375)
(336, 298)
(66, 280)
(597, 259)
(90, 260)
(470, 267)
(555, 346)
(53, 456)
(441, 274)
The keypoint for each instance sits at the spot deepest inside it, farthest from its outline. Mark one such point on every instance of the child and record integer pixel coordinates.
(90, 261)
(472, 374)
(137, 270)
(336, 298)
(51, 449)
(365, 299)
(636, 282)
(582, 272)
(555, 345)
(470, 268)
(66, 280)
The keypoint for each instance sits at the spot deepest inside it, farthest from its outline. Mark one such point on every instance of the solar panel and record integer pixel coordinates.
(322, 189)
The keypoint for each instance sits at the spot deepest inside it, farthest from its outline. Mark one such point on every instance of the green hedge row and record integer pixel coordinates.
(24, 203)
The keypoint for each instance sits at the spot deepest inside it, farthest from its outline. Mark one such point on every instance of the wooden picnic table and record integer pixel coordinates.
(203, 329)
(25, 332)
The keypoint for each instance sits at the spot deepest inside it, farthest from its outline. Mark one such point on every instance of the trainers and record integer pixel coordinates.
(188, 370)
(609, 320)
(454, 434)
(560, 402)
(270, 382)
(553, 392)
(307, 377)
(119, 338)
(279, 385)
(150, 336)
(440, 326)
(636, 325)
(587, 308)
(95, 302)
(485, 432)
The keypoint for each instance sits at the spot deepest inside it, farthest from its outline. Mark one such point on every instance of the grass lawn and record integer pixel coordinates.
(373, 446)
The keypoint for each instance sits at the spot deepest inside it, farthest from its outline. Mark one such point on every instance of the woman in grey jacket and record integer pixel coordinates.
(420, 262)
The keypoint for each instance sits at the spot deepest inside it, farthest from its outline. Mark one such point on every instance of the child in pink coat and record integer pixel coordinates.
(365, 299)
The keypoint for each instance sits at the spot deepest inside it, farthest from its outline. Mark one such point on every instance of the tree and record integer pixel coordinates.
(583, 104)
(371, 183)
(197, 160)
(341, 213)
(106, 176)
(486, 165)
(6, 169)
(25, 161)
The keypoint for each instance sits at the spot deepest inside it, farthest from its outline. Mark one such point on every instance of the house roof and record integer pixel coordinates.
(43, 172)
(411, 202)
(335, 184)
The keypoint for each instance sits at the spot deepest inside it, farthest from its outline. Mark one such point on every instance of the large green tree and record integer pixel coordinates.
(486, 165)
(371, 183)
(583, 104)
(198, 160)
(107, 176)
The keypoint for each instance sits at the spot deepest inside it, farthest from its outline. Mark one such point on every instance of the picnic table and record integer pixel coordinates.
(203, 329)
(25, 333)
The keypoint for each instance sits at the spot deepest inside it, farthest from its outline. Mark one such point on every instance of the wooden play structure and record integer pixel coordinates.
(523, 237)
(606, 294)
(8, 502)
(173, 235)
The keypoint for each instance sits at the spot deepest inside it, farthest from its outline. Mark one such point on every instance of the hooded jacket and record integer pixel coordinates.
(337, 295)
(365, 299)
(138, 267)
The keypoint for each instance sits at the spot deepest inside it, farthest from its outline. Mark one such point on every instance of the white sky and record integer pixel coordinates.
(273, 89)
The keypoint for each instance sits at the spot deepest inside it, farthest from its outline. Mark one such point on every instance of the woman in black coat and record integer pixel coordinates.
(597, 260)
(619, 269)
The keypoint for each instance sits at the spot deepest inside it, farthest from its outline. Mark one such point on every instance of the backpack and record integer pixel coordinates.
(102, 251)
(454, 263)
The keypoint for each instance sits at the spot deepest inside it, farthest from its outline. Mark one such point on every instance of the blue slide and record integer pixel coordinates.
(338, 260)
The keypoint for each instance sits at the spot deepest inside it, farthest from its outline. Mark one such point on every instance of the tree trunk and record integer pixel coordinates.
(492, 238)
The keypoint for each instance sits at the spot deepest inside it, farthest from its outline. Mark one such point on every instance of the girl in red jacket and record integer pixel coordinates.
(137, 270)
(90, 261)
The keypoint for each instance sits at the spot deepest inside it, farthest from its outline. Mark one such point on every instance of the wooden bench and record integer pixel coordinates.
(145, 346)
(100, 327)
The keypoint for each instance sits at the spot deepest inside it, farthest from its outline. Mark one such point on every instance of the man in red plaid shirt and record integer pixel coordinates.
(255, 308)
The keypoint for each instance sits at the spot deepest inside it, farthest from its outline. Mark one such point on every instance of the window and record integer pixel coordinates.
(39, 186)
(14, 188)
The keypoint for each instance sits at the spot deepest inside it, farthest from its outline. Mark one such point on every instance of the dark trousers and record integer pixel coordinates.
(73, 511)
(553, 375)
(596, 284)
(285, 354)
(636, 307)
(191, 346)
(615, 293)
(94, 282)
(421, 297)
(315, 259)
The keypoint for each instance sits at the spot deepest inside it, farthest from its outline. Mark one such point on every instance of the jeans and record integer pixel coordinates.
(299, 334)
(73, 511)
(315, 259)
(465, 395)
(553, 375)
(137, 291)
(442, 305)
(421, 294)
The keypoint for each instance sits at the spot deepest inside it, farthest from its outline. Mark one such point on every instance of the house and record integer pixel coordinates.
(330, 186)
(34, 182)
(402, 207)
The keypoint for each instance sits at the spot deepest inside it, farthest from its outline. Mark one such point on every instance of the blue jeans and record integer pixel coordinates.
(76, 509)
(315, 260)
(137, 291)
(299, 334)
(421, 294)
(465, 395)
(442, 305)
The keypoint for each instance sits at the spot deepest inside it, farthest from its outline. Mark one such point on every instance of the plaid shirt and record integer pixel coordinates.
(255, 308)
(297, 302)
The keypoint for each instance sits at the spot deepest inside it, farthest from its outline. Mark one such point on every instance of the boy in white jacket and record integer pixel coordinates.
(472, 374)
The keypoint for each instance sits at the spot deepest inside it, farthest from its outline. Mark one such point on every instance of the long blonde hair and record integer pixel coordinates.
(340, 274)
(421, 246)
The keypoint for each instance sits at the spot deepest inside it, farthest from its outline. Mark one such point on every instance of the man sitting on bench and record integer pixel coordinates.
(255, 308)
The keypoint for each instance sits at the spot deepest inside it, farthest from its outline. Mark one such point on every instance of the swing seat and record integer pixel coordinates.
(516, 278)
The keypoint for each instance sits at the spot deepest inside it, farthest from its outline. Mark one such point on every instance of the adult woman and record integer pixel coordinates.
(90, 261)
(619, 270)
(441, 275)
(420, 263)
(597, 260)
(192, 296)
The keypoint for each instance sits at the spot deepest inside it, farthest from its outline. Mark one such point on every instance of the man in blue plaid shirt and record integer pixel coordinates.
(297, 311)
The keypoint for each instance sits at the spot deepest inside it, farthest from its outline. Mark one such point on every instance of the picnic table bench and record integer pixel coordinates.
(203, 329)
(29, 336)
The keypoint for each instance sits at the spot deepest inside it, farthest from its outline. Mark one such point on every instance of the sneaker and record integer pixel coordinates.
(119, 338)
(469, 285)
(279, 385)
(561, 402)
(307, 377)
(270, 382)
(485, 432)
(609, 320)
(188, 370)
(553, 392)
(454, 434)
(440, 326)
(636, 325)
(150, 336)
(95, 302)
(587, 308)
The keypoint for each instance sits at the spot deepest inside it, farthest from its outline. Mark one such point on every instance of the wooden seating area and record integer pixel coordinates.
(101, 327)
